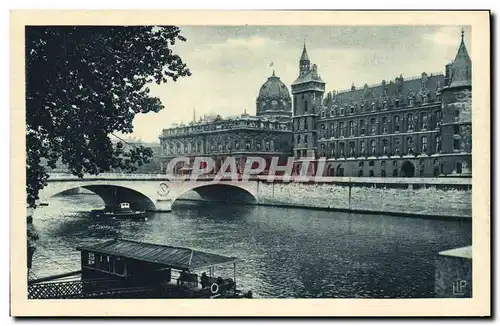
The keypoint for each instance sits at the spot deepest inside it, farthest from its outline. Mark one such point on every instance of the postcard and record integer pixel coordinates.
(250, 163)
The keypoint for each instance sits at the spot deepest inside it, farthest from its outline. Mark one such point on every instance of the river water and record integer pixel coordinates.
(284, 252)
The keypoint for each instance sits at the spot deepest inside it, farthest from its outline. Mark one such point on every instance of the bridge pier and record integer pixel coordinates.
(163, 206)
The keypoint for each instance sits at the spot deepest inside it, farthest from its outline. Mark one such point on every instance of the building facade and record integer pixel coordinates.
(406, 127)
(413, 127)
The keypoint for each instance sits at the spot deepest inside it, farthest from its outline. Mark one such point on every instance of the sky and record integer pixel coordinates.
(230, 63)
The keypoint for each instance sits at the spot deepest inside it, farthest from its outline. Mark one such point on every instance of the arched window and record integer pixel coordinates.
(305, 106)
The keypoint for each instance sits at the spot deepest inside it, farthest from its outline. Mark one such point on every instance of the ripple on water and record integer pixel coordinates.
(284, 252)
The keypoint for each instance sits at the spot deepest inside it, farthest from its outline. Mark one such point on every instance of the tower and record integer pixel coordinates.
(304, 63)
(307, 93)
(456, 127)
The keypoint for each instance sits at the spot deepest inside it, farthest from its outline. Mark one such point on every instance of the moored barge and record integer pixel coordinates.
(122, 268)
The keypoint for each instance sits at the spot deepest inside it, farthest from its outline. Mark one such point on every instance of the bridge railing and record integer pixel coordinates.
(66, 176)
(265, 178)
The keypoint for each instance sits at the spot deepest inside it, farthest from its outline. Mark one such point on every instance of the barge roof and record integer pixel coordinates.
(174, 257)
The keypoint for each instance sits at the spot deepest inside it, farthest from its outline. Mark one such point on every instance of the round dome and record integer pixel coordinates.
(273, 88)
(274, 98)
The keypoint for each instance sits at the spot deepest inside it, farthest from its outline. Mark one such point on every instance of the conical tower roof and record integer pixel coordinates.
(304, 56)
(461, 69)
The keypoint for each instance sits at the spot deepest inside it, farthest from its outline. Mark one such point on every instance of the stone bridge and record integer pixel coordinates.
(149, 191)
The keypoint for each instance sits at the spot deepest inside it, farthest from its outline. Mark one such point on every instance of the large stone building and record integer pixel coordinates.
(413, 127)
(265, 135)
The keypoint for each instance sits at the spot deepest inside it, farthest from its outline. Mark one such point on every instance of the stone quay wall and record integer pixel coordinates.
(433, 197)
(429, 197)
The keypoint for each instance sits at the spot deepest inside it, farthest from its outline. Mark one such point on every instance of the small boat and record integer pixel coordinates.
(129, 269)
(123, 210)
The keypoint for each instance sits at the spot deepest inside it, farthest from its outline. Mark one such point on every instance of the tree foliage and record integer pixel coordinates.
(84, 83)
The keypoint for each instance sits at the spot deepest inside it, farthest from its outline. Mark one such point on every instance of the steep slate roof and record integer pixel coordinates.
(309, 76)
(304, 55)
(414, 85)
(174, 257)
(461, 67)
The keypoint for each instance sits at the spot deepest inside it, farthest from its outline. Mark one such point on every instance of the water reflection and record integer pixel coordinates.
(284, 252)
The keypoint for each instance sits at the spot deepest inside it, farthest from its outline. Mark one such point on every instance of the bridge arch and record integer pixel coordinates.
(221, 192)
(111, 193)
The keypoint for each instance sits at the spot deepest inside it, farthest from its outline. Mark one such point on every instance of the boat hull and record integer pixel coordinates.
(125, 215)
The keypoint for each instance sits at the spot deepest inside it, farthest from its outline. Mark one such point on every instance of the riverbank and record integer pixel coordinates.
(443, 199)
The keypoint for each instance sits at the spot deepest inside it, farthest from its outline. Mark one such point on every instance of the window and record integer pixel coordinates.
(397, 146)
(373, 126)
(458, 167)
(384, 105)
(322, 114)
(362, 146)
(332, 149)
(362, 127)
(305, 124)
(91, 260)
(332, 130)
(437, 115)
(409, 145)
(382, 173)
(372, 163)
(384, 125)
(373, 106)
(351, 128)
(410, 101)
(305, 139)
(342, 111)
(396, 124)
(385, 146)
(457, 115)
(424, 121)
(342, 149)
(395, 172)
(373, 147)
(351, 149)
(351, 109)
(361, 164)
(360, 173)
(424, 145)
(342, 131)
(456, 144)
(371, 173)
(305, 106)
(396, 103)
(410, 122)
(332, 113)
(258, 146)
(456, 129)
(247, 146)
(438, 144)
